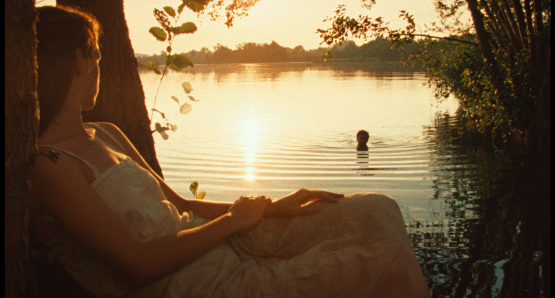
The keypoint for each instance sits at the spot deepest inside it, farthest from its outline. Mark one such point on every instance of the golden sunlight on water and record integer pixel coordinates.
(268, 129)
(250, 174)
(250, 138)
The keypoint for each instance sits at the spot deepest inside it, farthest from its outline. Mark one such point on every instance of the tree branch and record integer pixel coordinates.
(504, 19)
(491, 25)
(485, 48)
(520, 21)
(514, 28)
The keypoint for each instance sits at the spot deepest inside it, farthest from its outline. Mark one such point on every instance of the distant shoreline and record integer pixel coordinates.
(364, 64)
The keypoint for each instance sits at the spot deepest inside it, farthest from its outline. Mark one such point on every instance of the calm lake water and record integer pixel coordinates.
(273, 128)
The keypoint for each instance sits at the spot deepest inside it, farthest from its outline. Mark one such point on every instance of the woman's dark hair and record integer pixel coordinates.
(61, 31)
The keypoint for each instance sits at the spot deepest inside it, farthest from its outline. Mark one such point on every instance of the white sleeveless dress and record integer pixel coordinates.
(355, 248)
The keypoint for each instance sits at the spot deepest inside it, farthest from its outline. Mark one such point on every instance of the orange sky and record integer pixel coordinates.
(288, 22)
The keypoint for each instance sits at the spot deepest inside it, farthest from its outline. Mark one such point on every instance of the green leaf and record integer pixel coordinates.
(175, 99)
(178, 62)
(158, 32)
(161, 130)
(161, 114)
(159, 127)
(180, 8)
(194, 5)
(169, 10)
(187, 87)
(153, 66)
(201, 195)
(164, 135)
(193, 187)
(185, 108)
(188, 27)
(192, 98)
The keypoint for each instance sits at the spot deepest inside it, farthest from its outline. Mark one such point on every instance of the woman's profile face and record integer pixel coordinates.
(92, 78)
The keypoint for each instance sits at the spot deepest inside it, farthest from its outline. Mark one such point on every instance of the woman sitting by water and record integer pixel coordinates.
(120, 230)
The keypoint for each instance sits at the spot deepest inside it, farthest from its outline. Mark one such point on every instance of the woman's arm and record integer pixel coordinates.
(205, 209)
(62, 189)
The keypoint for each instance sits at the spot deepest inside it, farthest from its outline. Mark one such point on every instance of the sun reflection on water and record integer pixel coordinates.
(250, 137)
(250, 174)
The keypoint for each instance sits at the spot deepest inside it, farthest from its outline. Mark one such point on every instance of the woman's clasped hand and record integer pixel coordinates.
(299, 203)
(248, 210)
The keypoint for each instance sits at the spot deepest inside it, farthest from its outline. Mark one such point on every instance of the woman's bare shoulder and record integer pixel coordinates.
(114, 131)
(111, 127)
(51, 160)
(55, 174)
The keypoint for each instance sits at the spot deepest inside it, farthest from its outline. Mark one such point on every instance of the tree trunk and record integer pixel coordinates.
(21, 120)
(483, 40)
(121, 99)
(539, 132)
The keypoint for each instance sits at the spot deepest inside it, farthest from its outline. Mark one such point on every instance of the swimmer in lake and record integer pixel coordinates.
(362, 139)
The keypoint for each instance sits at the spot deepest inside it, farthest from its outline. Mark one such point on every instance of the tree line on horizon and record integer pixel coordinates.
(378, 50)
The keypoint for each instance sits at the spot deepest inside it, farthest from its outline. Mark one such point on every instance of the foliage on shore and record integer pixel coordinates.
(378, 50)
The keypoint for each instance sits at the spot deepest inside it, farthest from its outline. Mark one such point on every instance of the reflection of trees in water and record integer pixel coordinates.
(274, 71)
(485, 239)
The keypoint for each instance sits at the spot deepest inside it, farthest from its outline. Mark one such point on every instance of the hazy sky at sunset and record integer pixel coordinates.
(288, 22)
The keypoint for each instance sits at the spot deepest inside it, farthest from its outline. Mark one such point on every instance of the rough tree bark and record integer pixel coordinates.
(121, 99)
(21, 120)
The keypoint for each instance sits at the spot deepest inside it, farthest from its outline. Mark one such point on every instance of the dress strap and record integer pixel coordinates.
(88, 164)
(104, 131)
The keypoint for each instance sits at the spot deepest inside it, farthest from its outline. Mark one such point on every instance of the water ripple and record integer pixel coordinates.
(222, 167)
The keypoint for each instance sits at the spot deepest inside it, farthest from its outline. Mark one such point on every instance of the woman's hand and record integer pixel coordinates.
(295, 204)
(249, 210)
